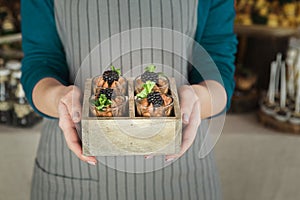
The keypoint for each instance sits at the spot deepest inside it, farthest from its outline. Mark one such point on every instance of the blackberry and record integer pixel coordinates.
(149, 76)
(108, 92)
(155, 99)
(110, 76)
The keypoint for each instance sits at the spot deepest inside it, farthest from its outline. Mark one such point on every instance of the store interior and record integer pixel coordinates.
(256, 154)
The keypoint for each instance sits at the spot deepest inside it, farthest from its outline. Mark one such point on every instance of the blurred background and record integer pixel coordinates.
(257, 154)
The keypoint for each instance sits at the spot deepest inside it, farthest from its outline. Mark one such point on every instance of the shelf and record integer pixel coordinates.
(264, 31)
(10, 38)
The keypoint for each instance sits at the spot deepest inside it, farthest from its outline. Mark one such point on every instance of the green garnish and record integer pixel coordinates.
(102, 102)
(150, 68)
(148, 86)
(116, 70)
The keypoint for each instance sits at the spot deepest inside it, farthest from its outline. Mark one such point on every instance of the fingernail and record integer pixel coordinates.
(76, 116)
(148, 157)
(91, 163)
(185, 118)
(169, 159)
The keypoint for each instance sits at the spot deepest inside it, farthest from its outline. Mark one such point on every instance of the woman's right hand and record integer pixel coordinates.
(69, 111)
(56, 100)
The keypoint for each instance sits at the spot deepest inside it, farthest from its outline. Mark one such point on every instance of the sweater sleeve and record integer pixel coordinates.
(43, 51)
(218, 39)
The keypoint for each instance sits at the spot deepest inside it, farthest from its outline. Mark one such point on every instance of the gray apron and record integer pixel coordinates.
(82, 25)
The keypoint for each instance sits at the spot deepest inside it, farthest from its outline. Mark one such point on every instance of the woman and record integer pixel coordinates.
(57, 37)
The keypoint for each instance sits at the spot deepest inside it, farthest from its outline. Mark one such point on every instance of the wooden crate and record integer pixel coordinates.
(131, 135)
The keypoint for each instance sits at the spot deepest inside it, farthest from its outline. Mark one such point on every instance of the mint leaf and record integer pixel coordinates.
(100, 107)
(147, 88)
(150, 68)
(149, 85)
(102, 102)
(143, 94)
(116, 70)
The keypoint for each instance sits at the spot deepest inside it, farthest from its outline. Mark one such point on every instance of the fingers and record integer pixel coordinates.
(189, 133)
(73, 102)
(187, 99)
(190, 118)
(71, 136)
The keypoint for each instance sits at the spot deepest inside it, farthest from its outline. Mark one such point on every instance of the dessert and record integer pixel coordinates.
(110, 79)
(108, 106)
(153, 103)
(160, 80)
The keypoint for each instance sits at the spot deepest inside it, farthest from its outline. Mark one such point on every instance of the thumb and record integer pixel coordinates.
(72, 100)
(76, 105)
(187, 99)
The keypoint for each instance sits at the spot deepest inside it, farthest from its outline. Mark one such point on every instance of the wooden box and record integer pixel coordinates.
(131, 135)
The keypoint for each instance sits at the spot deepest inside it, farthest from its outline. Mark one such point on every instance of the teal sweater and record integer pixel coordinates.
(45, 57)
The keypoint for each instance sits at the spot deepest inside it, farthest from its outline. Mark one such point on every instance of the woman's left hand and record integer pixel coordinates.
(191, 119)
(198, 101)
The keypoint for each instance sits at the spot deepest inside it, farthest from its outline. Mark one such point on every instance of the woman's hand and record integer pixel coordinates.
(198, 102)
(191, 119)
(69, 111)
(57, 100)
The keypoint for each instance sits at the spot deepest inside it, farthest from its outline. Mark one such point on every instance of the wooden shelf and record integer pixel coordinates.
(10, 38)
(264, 31)
(269, 121)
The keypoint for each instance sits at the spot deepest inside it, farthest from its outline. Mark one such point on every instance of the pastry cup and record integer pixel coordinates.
(162, 85)
(120, 86)
(145, 110)
(118, 108)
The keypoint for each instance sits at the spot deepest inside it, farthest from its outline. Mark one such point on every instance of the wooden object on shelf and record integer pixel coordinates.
(11, 54)
(270, 121)
(130, 135)
(262, 30)
(11, 38)
(245, 83)
(245, 102)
